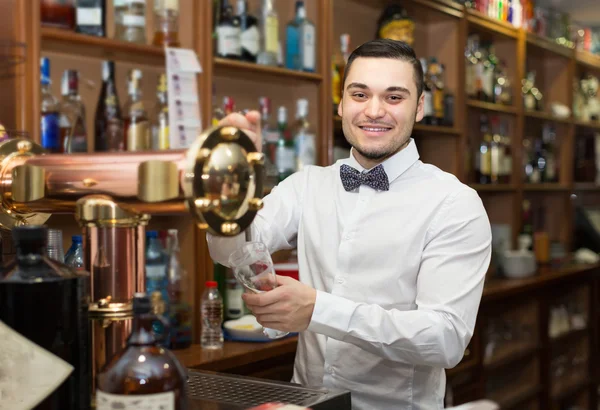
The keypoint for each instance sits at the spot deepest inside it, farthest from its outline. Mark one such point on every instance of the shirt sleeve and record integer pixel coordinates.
(450, 282)
(276, 224)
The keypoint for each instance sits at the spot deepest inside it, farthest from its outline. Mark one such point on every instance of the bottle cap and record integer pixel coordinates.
(34, 235)
(302, 108)
(77, 238)
(151, 234)
(141, 303)
(282, 114)
(211, 284)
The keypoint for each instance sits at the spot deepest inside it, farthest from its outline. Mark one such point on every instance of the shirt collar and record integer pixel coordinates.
(395, 165)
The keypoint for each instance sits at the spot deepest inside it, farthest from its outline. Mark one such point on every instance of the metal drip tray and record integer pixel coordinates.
(228, 392)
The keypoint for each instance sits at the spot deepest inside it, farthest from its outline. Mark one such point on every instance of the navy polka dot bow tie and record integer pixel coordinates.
(375, 178)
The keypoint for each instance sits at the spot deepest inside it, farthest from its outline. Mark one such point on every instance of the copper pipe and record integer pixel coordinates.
(70, 177)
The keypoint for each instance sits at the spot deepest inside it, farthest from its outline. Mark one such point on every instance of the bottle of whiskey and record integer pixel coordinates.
(132, 21)
(249, 35)
(160, 128)
(58, 13)
(47, 302)
(228, 33)
(144, 374)
(395, 24)
(137, 127)
(109, 122)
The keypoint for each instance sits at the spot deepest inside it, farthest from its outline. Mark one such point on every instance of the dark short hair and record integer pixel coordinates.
(386, 48)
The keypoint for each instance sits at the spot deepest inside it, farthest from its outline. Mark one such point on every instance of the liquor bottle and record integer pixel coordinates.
(46, 302)
(228, 33)
(156, 266)
(304, 139)
(526, 231)
(109, 122)
(395, 24)
(91, 17)
(144, 374)
(160, 128)
(270, 135)
(300, 46)
(137, 127)
(497, 153)
(269, 35)
(132, 20)
(50, 129)
(344, 55)
(538, 165)
(285, 154)
(249, 34)
(472, 66)
(166, 31)
(532, 97)
(180, 311)
(437, 90)
(218, 112)
(58, 13)
(228, 105)
(502, 86)
(427, 95)
(483, 158)
(548, 141)
(119, 9)
(73, 131)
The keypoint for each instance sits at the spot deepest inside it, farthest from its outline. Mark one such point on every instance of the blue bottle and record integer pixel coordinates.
(49, 127)
(74, 256)
(157, 282)
(300, 51)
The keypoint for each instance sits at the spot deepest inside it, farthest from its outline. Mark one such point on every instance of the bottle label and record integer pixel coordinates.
(89, 16)
(228, 41)
(427, 104)
(438, 103)
(163, 137)
(486, 163)
(233, 297)
(134, 21)
(285, 159)
(158, 401)
(272, 35)
(250, 40)
(305, 146)
(156, 271)
(29, 372)
(270, 136)
(138, 136)
(308, 47)
(50, 131)
(401, 30)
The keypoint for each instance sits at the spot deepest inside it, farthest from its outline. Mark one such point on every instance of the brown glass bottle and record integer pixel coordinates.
(109, 123)
(144, 373)
(58, 13)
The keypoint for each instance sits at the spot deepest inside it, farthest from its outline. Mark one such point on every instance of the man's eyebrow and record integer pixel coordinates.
(357, 85)
(399, 89)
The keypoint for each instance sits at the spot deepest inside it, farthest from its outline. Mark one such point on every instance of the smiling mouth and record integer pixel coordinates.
(371, 128)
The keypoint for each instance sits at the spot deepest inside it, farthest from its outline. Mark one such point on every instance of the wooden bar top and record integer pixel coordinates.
(234, 354)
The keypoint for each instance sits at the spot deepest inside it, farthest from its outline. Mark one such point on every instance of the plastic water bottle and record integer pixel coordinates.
(74, 256)
(212, 317)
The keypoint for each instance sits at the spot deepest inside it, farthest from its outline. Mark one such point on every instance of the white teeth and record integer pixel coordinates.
(374, 129)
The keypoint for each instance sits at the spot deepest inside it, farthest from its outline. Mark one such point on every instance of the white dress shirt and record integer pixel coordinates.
(399, 276)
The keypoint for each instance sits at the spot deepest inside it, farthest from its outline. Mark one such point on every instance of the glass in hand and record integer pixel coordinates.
(253, 268)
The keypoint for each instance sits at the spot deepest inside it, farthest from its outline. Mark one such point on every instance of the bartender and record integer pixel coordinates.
(392, 252)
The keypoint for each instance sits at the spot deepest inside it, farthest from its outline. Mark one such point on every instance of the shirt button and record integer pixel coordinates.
(340, 280)
(347, 236)
(330, 370)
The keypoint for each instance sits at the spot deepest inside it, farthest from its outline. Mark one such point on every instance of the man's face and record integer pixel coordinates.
(379, 107)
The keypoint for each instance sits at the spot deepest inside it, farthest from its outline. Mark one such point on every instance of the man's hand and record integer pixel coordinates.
(288, 307)
(249, 123)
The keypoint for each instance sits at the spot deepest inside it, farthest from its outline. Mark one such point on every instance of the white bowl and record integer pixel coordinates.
(245, 328)
(518, 264)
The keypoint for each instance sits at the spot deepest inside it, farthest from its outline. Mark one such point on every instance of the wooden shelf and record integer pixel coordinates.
(81, 45)
(493, 187)
(545, 187)
(234, 354)
(224, 65)
(515, 352)
(547, 117)
(570, 389)
(486, 23)
(588, 124)
(517, 397)
(505, 109)
(586, 186)
(546, 276)
(448, 7)
(588, 59)
(436, 129)
(572, 335)
(548, 45)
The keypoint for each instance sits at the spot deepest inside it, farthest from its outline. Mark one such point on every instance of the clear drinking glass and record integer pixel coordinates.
(253, 268)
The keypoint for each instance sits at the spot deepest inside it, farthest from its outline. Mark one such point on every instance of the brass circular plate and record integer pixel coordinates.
(223, 180)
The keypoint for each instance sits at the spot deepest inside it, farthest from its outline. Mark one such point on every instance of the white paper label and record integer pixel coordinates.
(250, 40)
(88, 16)
(229, 41)
(134, 21)
(308, 41)
(159, 401)
(28, 373)
(285, 159)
